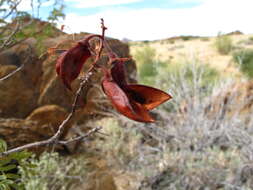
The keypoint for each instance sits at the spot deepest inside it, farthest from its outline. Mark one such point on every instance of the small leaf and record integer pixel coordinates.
(7, 168)
(3, 146)
(4, 161)
(20, 155)
(4, 187)
(12, 176)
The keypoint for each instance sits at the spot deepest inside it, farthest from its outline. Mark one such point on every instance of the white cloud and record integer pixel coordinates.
(206, 19)
(189, 1)
(99, 3)
(25, 5)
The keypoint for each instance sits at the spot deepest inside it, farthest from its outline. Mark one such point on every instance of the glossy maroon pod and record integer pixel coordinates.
(121, 101)
(147, 96)
(70, 63)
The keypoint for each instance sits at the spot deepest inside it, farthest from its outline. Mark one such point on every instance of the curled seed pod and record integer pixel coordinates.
(70, 62)
(132, 100)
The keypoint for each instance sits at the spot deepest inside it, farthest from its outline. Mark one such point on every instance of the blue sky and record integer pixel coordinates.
(156, 19)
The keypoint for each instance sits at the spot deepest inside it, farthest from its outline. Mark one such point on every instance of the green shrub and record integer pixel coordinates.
(121, 132)
(152, 71)
(9, 177)
(185, 80)
(171, 41)
(50, 171)
(204, 39)
(251, 38)
(223, 44)
(245, 59)
(146, 63)
(187, 38)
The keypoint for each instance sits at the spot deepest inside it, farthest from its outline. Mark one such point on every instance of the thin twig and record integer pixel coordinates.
(12, 9)
(11, 74)
(80, 138)
(10, 37)
(52, 140)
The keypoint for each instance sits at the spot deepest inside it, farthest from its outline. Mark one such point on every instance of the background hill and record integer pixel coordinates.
(207, 50)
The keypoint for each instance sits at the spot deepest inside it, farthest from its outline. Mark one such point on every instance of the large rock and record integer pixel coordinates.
(52, 115)
(17, 132)
(19, 93)
(41, 124)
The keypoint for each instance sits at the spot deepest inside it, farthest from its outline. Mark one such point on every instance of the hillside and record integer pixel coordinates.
(174, 50)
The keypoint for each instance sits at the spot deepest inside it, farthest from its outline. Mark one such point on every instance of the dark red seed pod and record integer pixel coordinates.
(70, 63)
(122, 103)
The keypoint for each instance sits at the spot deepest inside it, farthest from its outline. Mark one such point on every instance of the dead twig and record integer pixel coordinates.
(11, 74)
(80, 138)
(10, 37)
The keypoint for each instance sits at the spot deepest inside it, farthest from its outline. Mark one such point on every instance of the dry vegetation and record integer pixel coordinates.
(174, 50)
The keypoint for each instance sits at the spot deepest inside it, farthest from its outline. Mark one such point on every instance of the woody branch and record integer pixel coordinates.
(55, 139)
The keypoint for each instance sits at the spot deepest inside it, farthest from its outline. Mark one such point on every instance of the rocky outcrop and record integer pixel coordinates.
(52, 115)
(19, 93)
(41, 124)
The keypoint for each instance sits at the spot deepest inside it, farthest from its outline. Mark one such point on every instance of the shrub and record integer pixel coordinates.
(121, 132)
(204, 39)
(9, 177)
(245, 60)
(200, 146)
(187, 38)
(185, 80)
(50, 171)
(223, 44)
(146, 62)
(251, 38)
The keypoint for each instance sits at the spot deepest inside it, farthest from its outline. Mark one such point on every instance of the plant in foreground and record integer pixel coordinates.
(132, 100)
(9, 176)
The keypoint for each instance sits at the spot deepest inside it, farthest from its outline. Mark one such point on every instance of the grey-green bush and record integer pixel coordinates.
(223, 44)
(9, 177)
(244, 58)
(52, 172)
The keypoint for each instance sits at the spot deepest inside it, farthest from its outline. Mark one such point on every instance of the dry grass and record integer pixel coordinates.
(203, 49)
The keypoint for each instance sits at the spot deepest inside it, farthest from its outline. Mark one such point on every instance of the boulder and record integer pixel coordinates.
(41, 124)
(19, 93)
(51, 115)
(18, 132)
